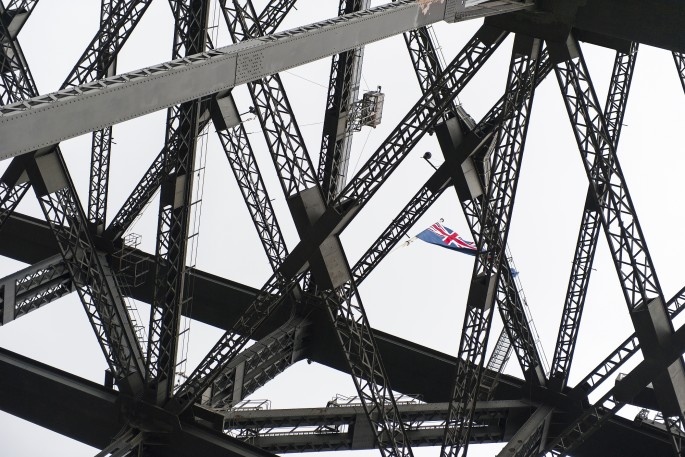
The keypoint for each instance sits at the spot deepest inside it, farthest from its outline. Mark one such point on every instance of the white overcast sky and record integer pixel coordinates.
(419, 292)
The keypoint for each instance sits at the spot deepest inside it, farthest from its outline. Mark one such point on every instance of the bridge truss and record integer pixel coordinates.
(224, 87)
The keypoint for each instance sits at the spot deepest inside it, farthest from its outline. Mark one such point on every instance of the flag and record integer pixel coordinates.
(447, 238)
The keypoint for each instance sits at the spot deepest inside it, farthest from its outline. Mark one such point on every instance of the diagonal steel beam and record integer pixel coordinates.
(15, 15)
(140, 92)
(32, 287)
(640, 285)
(134, 205)
(623, 352)
(510, 303)
(279, 125)
(614, 111)
(115, 26)
(494, 221)
(428, 109)
(679, 59)
(258, 364)
(93, 280)
(591, 419)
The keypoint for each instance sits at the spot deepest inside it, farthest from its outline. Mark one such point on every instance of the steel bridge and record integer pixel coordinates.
(310, 307)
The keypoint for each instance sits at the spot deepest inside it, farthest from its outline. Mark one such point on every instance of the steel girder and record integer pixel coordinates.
(679, 59)
(93, 279)
(358, 191)
(427, 67)
(614, 111)
(297, 177)
(343, 89)
(258, 364)
(208, 71)
(341, 427)
(633, 263)
(494, 222)
(630, 347)
(171, 288)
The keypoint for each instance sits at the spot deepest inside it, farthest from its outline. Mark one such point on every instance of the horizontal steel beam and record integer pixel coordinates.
(92, 414)
(338, 427)
(48, 119)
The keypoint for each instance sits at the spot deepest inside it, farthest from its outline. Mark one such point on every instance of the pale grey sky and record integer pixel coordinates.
(419, 292)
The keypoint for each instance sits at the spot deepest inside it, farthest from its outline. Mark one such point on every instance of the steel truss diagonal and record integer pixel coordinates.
(288, 150)
(237, 145)
(633, 263)
(406, 394)
(116, 24)
(171, 289)
(614, 111)
(625, 351)
(257, 365)
(497, 208)
(15, 14)
(360, 189)
(427, 66)
(94, 282)
(679, 59)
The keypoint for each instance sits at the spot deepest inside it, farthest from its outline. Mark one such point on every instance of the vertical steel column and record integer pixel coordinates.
(171, 294)
(343, 89)
(497, 208)
(101, 146)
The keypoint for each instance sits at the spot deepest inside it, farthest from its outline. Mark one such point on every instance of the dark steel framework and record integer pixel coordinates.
(311, 306)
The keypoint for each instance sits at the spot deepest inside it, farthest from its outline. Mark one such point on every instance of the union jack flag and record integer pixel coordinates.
(447, 238)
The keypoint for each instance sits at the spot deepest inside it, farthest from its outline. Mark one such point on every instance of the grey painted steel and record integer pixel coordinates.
(34, 286)
(92, 414)
(46, 120)
(339, 427)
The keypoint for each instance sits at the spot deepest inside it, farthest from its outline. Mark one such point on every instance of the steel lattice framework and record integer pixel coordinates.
(311, 306)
